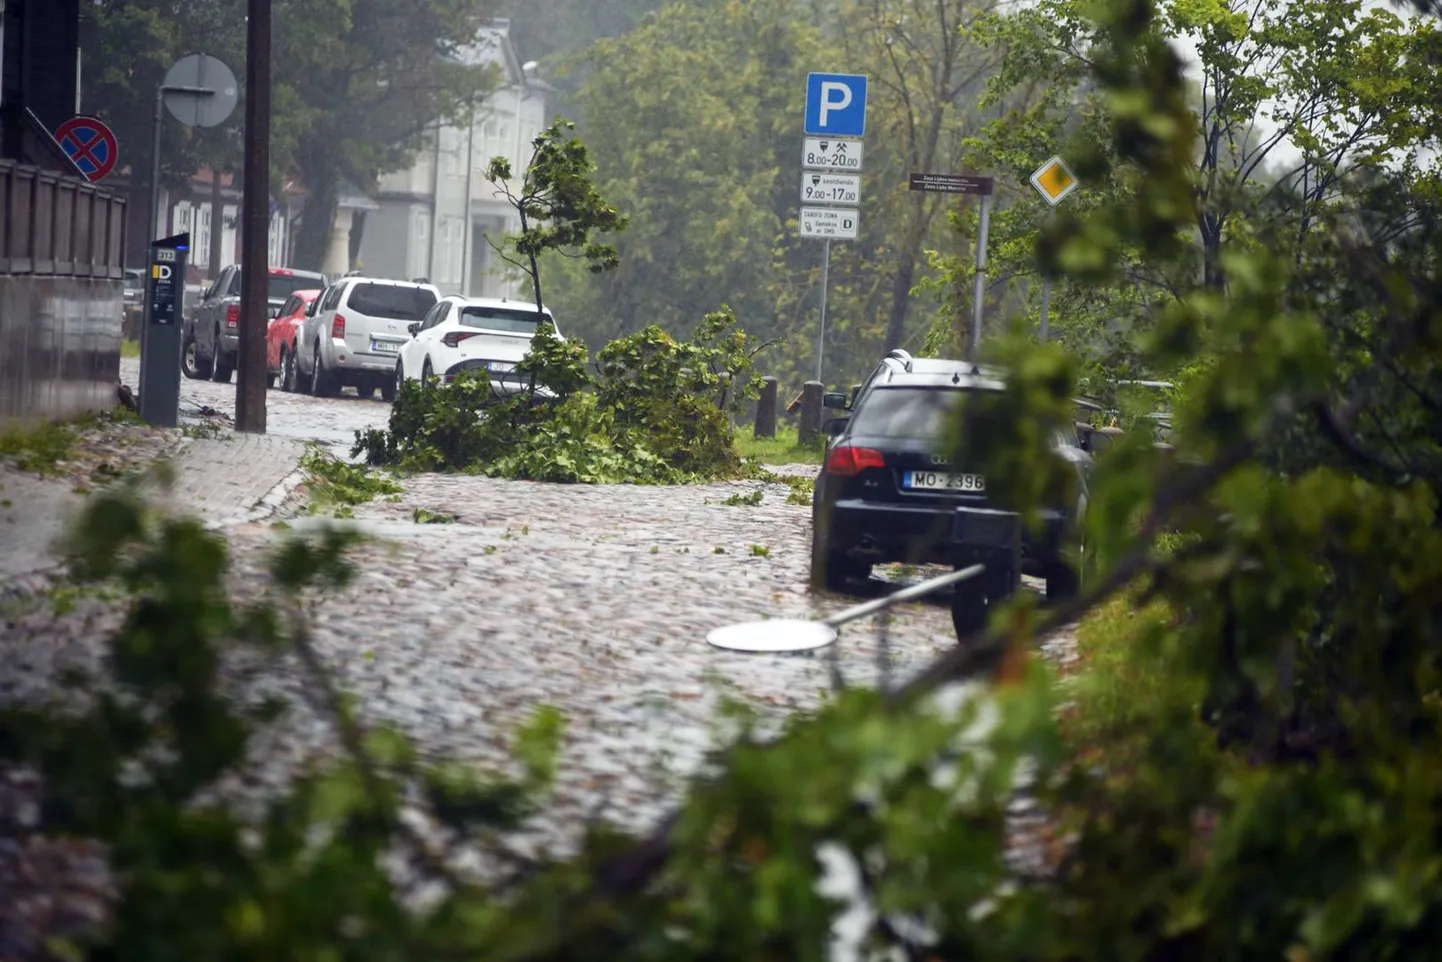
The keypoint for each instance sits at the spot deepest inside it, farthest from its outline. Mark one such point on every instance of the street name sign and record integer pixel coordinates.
(843, 189)
(832, 153)
(1054, 180)
(952, 184)
(829, 223)
(836, 104)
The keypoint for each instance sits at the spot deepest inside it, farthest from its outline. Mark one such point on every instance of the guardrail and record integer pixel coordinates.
(58, 226)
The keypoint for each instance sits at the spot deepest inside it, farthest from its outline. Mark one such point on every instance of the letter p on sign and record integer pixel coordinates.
(836, 104)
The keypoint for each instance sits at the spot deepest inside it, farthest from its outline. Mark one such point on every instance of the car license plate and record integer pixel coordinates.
(941, 481)
(384, 347)
(500, 367)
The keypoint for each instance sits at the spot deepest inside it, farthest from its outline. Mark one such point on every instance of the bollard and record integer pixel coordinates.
(766, 409)
(811, 396)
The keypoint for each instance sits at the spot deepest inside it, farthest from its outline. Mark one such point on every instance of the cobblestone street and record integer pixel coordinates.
(593, 599)
(329, 421)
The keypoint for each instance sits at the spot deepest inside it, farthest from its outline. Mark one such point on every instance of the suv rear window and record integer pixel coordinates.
(283, 285)
(394, 302)
(907, 412)
(501, 319)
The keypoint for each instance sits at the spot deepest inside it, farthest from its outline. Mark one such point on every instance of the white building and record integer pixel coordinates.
(424, 224)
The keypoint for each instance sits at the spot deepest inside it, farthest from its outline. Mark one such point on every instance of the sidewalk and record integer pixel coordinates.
(235, 480)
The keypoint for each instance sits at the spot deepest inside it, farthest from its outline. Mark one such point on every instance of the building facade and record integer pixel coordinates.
(440, 218)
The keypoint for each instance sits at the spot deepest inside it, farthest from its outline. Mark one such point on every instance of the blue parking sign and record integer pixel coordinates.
(836, 104)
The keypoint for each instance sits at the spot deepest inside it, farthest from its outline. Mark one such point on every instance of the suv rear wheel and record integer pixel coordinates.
(190, 363)
(1062, 582)
(321, 383)
(973, 600)
(222, 368)
(287, 371)
(833, 570)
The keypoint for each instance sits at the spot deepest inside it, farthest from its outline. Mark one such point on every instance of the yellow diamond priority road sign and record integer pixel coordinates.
(1054, 180)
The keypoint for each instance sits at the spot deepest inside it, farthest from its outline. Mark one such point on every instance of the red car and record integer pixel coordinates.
(280, 338)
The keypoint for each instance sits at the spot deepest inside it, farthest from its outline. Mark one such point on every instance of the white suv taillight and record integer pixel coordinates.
(337, 326)
(456, 337)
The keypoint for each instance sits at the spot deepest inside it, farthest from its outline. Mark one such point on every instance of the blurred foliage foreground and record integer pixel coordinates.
(1272, 791)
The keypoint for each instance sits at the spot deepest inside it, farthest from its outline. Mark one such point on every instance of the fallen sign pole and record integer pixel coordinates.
(793, 634)
(983, 187)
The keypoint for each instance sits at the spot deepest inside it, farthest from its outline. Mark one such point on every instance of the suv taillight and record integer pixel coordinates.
(232, 315)
(456, 337)
(847, 461)
(337, 326)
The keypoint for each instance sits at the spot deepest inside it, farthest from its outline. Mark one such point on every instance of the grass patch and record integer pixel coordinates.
(744, 500)
(129, 348)
(40, 449)
(336, 486)
(785, 448)
(427, 516)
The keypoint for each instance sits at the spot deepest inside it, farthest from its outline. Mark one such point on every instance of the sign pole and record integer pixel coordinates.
(979, 296)
(153, 227)
(825, 282)
(1054, 181)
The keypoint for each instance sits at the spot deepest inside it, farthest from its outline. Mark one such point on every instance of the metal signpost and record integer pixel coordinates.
(199, 91)
(160, 334)
(983, 187)
(1053, 180)
(835, 125)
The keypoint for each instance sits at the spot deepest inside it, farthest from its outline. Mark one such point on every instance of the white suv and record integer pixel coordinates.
(354, 332)
(466, 333)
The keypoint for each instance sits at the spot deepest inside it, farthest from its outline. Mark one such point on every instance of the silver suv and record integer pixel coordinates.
(354, 331)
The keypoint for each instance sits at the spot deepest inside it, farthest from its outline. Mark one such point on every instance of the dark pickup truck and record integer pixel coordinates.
(211, 337)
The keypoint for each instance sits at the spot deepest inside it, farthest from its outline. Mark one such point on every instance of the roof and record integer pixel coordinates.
(953, 377)
(497, 302)
(389, 281)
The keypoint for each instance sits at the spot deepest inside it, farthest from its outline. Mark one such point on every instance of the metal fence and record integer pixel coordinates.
(52, 225)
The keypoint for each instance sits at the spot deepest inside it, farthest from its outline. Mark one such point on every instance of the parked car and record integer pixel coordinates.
(282, 336)
(354, 333)
(889, 491)
(468, 333)
(210, 340)
(132, 302)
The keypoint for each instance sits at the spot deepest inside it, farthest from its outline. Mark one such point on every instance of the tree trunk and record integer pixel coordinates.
(322, 184)
(904, 280)
(217, 223)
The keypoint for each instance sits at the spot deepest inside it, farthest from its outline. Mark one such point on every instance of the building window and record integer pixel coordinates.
(200, 241)
(180, 218)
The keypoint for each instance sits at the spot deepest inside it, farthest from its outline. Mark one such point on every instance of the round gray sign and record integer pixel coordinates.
(193, 74)
(775, 635)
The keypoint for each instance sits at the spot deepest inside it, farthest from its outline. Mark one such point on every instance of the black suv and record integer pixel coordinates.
(210, 340)
(888, 491)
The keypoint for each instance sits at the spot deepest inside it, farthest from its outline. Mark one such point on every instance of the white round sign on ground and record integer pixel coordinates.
(774, 635)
